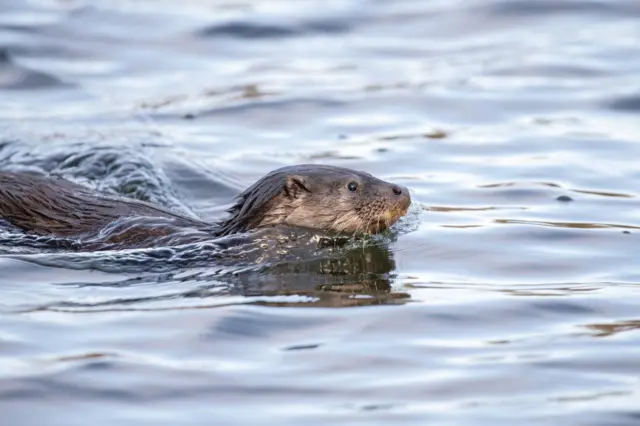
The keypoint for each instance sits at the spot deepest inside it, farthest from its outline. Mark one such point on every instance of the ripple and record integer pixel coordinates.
(264, 31)
(16, 77)
(568, 224)
(626, 104)
(118, 170)
(525, 9)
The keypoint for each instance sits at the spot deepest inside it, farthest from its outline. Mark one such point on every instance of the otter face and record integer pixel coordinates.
(337, 199)
(320, 197)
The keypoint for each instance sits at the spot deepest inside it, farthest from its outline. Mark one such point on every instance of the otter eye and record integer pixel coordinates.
(352, 186)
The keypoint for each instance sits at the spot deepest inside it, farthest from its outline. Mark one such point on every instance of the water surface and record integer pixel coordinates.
(508, 295)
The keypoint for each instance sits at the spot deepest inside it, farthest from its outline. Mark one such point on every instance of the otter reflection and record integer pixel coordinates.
(278, 266)
(342, 272)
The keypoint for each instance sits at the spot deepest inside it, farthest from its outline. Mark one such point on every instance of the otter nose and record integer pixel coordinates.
(402, 195)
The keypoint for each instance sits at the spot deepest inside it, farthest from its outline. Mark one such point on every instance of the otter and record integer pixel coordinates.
(317, 197)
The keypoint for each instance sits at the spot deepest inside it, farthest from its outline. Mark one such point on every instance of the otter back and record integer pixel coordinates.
(54, 206)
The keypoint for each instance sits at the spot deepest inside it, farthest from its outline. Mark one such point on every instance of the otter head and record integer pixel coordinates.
(319, 197)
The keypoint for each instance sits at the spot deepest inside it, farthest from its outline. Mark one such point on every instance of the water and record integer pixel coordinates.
(493, 302)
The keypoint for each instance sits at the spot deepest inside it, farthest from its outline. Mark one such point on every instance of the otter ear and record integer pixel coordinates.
(295, 186)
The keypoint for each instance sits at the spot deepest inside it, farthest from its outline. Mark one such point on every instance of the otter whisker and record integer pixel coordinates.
(368, 228)
(340, 229)
(348, 221)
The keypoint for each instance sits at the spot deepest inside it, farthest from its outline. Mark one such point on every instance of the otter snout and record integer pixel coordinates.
(401, 195)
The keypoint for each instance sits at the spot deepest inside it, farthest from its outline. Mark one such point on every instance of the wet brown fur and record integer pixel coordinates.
(310, 196)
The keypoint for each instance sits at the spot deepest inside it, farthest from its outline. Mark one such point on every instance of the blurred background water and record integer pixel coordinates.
(508, 295)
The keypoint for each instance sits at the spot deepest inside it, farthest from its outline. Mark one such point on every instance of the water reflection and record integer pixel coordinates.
(339, 273)
(268, 267)
(607, 330)
(566, 224)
